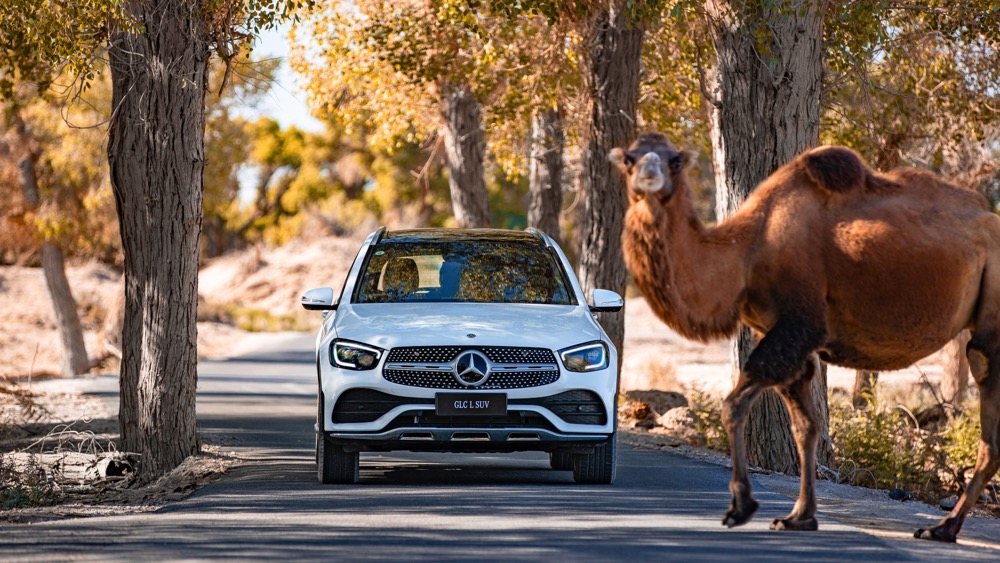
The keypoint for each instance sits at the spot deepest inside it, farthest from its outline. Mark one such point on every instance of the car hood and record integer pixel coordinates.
(435, 324)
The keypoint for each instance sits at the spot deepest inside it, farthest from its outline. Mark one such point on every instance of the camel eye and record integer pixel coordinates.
(675, 163)
(630, 159)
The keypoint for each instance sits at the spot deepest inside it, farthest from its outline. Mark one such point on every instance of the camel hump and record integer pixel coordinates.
(840, 169)
(837, 169)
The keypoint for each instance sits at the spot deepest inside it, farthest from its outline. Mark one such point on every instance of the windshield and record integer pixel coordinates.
(480, 271)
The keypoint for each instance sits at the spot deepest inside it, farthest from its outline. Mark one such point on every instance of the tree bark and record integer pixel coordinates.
(545, 172)
(74, 350)
(74, 358)
(465, 149)
(156, 154)
(766, 89)
(955, 372)
(614, 48)
(864, 386)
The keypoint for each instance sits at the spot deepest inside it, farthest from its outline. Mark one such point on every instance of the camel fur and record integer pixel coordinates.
(829, 260)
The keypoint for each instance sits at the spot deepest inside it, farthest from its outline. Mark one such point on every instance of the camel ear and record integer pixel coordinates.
(688, 158)
(621, 159)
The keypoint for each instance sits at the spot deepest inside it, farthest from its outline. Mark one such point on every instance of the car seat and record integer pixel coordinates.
(400, 279)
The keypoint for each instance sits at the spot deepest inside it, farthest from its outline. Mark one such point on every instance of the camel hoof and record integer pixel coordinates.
(804, 524)
(934, 534)
(740, 513)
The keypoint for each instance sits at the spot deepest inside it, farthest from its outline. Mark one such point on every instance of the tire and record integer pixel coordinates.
(319, 423)
(561, 461)
(335, 466)
(598, 467)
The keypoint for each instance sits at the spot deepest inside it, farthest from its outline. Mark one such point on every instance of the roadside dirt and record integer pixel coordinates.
(76, 432)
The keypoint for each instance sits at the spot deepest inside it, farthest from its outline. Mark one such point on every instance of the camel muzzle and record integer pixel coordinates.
(650, 176)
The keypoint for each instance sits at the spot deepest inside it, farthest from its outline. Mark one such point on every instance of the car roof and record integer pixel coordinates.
(431, 235)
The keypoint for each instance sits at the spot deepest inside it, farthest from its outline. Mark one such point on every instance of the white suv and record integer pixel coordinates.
(464, 340)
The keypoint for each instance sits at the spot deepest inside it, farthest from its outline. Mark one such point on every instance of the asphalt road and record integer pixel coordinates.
(438, 507)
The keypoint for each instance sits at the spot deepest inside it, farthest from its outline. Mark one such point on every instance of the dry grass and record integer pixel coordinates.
(254, 320)
(661, 376)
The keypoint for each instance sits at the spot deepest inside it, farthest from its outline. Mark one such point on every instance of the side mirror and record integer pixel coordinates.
(604, 301)
(319, 299)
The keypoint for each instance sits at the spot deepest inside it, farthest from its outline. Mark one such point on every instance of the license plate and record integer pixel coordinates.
(464, 404)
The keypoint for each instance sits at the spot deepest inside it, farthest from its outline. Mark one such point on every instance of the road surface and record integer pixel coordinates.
(439, 507)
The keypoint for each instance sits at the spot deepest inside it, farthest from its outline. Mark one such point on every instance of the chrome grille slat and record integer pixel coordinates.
(419, 367)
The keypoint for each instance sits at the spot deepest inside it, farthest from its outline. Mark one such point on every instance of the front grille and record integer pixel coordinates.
(367, 405)
(496, 354)
(431, 367)
(445, 380)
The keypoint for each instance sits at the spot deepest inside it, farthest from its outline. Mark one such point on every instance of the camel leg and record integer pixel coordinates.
(798, 399)
(781, 358)
(734, 417)
(986, 371)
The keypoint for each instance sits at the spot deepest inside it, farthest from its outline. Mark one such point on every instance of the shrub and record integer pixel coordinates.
(960, 443)
(961, 440)
(880, 446)
(24, 486)
(707, 410)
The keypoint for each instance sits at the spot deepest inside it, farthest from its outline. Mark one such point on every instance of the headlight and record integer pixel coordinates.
(588, 357)
(351, 355)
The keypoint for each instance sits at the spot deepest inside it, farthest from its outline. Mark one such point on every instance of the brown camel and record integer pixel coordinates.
(826, 259)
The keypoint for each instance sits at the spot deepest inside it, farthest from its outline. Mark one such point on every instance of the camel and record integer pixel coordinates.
(826, 259)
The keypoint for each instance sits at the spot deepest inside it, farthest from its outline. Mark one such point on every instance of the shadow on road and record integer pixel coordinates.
(435, 507)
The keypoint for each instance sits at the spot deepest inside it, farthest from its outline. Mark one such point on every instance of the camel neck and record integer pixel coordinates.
(691, 275)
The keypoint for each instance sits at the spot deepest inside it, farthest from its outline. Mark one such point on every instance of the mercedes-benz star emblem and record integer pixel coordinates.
(472, 368)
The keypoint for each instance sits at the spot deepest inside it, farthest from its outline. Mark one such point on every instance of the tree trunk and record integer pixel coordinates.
(74, 349)
(465, 149)
(614, 48)
(74, 358)
(156, 153)
(545, 172)
(766, 91)
(955, 372)
(864, 386)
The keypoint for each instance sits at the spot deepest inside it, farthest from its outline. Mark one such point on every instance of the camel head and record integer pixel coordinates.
(651, 165)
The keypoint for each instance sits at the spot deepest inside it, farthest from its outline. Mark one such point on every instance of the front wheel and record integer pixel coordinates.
(561, 461)
(333, 464)
(597, 467)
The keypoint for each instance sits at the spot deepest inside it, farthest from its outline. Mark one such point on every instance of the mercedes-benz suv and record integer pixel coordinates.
(464, 340)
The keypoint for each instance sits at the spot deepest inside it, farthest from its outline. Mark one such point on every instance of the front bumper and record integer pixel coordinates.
(469, 439)
(363, 410)
(373, 420)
